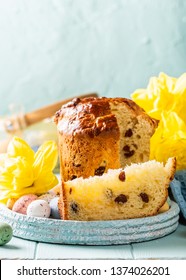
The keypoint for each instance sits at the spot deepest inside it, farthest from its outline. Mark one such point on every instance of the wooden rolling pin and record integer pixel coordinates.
(21, 121)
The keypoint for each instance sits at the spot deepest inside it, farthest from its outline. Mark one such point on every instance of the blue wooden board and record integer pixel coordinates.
(92, 233)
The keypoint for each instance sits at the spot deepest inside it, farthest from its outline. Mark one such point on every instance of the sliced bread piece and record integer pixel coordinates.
(139, 190)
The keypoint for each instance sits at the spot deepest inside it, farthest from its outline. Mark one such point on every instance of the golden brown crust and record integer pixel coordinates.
(89, 135)
(63, 210)
(74, 163)
(163, 202)
(90, 116)
(171, 169)
(93, 115)
(60, 208)
(82, 123)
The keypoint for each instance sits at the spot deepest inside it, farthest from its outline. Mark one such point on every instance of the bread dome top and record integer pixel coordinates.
(94, 115)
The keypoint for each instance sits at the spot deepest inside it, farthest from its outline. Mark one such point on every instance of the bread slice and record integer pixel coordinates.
(139, 190)
(97, 134)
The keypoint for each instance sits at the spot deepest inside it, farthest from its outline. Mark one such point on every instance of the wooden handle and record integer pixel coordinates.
(21, 121)
(49, 111)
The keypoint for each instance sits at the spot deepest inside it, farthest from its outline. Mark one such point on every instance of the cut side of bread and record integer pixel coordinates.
(97, 134)
(135, 129)
(139, 190)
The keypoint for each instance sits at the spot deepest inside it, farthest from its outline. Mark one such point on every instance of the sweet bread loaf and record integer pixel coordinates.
(97, 134)
(139, 190)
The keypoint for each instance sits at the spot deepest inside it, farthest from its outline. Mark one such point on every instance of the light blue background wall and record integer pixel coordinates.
(51, 49)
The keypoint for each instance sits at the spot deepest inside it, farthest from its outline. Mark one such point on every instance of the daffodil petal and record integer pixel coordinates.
(5, 181)
(22, 172)
(179, 102)
(46, 156)
(23, 175)
(180, 86)
(7, 164)
(18, 147)
(159, 95)
(40, 187)
(169, 140)
(168, 82)
(45, 181)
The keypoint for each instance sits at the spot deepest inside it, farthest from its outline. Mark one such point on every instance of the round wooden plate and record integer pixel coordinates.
(91, 233)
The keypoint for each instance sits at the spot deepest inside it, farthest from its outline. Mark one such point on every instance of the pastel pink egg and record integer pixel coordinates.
(20, 206)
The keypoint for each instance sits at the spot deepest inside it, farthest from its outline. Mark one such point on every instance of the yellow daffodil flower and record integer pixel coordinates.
(169, 140)
(163, 93)
(165, 99)
(23, 172)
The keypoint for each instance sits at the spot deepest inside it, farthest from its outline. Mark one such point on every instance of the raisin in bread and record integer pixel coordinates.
(97, 134)
(139, 190)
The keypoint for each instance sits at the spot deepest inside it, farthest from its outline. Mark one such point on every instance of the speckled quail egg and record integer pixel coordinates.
(39, 208)
(5, 233)
(54, 208)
